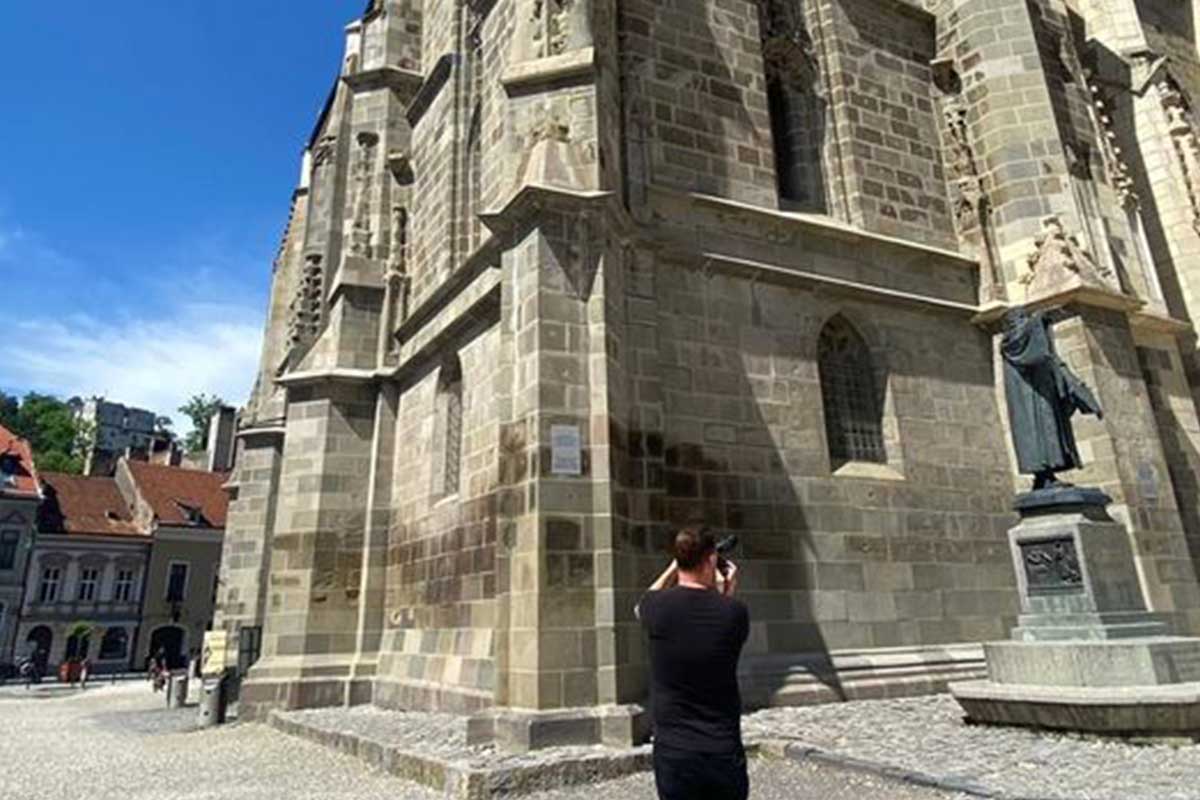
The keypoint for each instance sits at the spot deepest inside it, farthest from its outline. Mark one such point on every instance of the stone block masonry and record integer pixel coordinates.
(561, 276)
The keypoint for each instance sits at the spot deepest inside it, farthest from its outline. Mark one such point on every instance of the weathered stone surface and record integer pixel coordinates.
(673, 231)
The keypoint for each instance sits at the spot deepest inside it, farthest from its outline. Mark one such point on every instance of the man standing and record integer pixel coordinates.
(697, 630)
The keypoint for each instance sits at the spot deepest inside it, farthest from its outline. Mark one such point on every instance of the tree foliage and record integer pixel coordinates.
(50, 426)
(199, 409)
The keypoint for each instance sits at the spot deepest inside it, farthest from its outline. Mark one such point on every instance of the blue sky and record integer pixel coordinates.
(149, 153)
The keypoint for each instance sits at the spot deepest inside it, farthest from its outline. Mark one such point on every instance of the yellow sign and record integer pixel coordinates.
(215, 656)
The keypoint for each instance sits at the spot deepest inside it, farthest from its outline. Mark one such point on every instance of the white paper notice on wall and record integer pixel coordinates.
(566, 450)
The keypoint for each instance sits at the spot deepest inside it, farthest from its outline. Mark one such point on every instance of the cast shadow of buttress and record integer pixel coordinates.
(725, 458)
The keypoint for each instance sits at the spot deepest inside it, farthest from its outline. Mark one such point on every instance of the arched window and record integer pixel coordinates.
(797, 110)
(853, 417)
(115, 644)
(447, 466)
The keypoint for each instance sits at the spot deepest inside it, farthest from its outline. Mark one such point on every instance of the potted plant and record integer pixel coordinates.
(72, 666)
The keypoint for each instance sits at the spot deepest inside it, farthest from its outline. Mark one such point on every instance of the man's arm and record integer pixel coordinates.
(668, 578)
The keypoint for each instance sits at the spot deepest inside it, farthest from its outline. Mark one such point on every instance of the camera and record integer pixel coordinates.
(724, 547)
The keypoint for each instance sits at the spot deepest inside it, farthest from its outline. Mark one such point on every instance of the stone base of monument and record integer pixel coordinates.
(1086, 655)
(519, 731)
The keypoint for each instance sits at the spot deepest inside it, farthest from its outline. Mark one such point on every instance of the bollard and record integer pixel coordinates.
(177, 690)
(212, 702)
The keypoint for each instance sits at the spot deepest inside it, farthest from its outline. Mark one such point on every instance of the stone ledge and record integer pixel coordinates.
(471, 774)
(802, 753)
(1131, 711)
(575, 65)
(784, 679)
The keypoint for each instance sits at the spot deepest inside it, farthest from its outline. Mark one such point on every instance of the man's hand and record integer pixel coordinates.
(669, 577)
(727, 578)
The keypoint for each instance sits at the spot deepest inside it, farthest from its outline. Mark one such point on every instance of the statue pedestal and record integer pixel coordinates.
(1086, 655)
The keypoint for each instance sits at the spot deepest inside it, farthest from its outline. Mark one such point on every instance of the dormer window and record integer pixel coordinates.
(193, 514)
(10, 466)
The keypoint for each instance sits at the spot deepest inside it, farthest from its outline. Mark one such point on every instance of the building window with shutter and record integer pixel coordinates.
(89, 577)
(123, 588)
(177, 582)
(48, 589)
(8, 549)
(853, 411)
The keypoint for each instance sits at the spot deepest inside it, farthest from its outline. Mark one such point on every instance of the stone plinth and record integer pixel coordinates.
(1075, 570)
(517, 731)
(1086, 655)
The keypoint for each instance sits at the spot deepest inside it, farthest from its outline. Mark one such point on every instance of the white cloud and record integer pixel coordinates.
(153, 363)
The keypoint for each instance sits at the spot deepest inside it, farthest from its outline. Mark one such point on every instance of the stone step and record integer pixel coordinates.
(432, 750)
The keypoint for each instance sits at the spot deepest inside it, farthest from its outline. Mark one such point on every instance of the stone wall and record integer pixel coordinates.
(693, 76)
(887, 129)
(581, 202)
(440, 610)
(833, 556)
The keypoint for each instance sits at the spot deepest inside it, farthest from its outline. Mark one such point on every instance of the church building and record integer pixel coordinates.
(561, 276)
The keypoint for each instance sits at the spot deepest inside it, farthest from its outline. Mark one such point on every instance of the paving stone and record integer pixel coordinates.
(927, 737)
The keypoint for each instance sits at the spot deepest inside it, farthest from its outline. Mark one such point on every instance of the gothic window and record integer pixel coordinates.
(797, 111)
(853, 414)
(448, 460)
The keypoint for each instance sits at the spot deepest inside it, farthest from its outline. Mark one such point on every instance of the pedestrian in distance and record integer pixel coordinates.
(158, 670)
(697, 630)
(27, 669)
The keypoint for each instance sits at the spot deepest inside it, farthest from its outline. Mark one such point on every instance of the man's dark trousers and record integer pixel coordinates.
(686, 775)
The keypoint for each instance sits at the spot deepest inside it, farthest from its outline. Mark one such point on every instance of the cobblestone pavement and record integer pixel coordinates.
(772, 780)
(119, 742)
(927, 735)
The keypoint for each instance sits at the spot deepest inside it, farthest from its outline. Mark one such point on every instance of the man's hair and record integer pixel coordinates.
(692, 544)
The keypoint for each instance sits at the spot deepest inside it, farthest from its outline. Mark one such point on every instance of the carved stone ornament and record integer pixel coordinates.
(965, 183)
(1119, 175)
(398, 253)
(305, 311)
(1183, 135)
(1060, 262)
(789, 55)
(552, 157)
(324, 151)
(551, 26)
(364, 182)
(1052, 566)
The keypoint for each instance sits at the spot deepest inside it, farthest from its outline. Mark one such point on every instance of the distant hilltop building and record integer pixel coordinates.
(120, 430)
(559, 277)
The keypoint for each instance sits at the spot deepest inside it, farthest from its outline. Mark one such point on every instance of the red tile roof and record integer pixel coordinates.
(25, 477)
(171, 490)
(84, 507)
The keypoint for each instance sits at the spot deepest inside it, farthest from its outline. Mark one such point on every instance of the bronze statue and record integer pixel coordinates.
(1043, 394)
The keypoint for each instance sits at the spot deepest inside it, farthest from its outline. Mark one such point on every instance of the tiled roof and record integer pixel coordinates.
(17, 457)
(84, 507)
(172, 491)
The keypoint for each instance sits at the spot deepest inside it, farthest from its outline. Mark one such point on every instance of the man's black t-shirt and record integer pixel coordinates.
(696, 638)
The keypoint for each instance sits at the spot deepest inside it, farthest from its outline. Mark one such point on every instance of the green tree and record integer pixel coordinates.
(10, 411)
(51, 428)
(199, 410)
